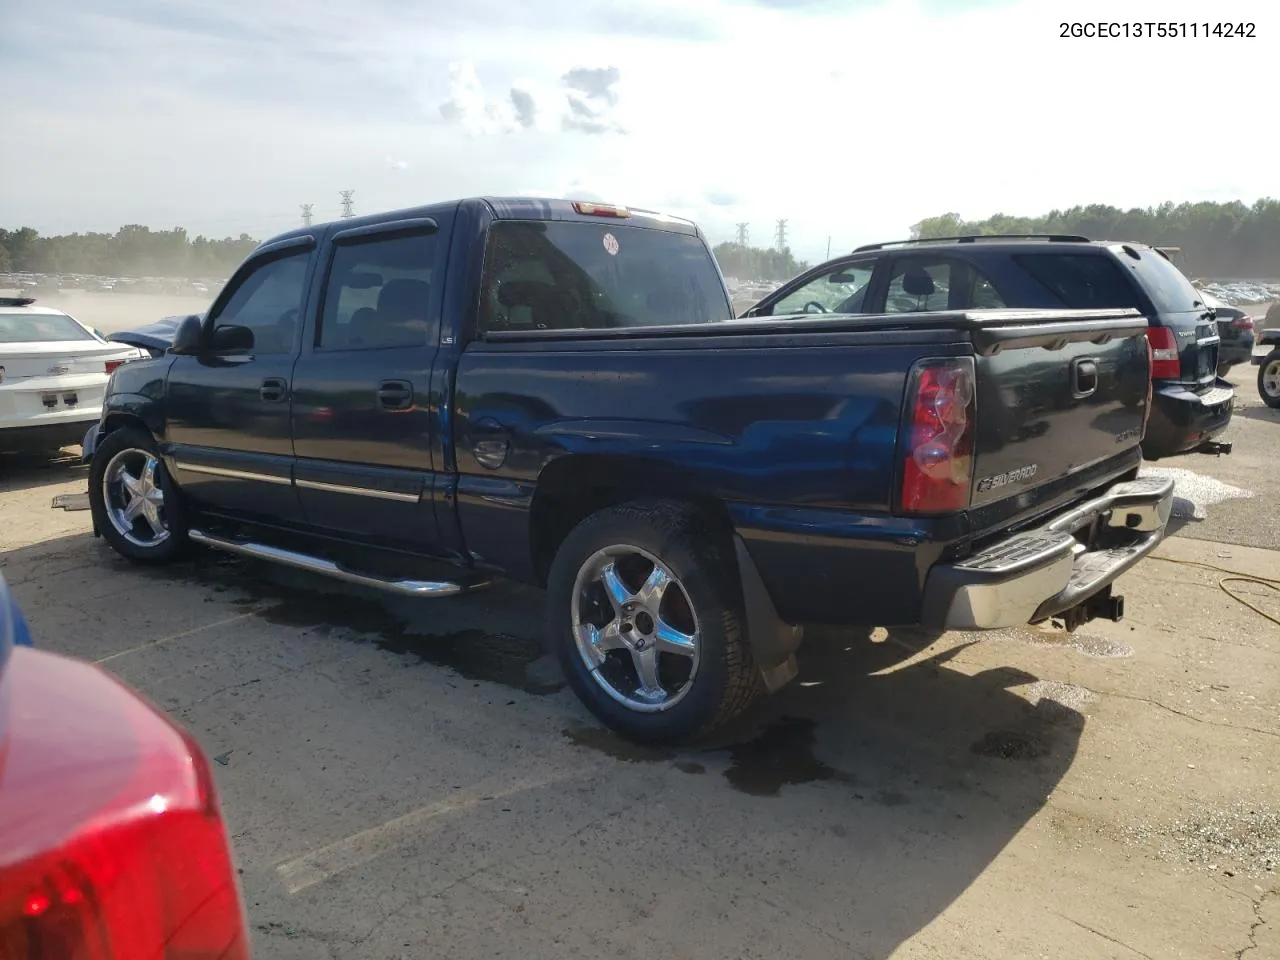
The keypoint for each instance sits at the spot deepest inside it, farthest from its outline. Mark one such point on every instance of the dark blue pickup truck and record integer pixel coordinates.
(557, 392)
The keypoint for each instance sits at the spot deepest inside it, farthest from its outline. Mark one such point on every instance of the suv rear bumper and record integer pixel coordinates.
(1182, 419)
(1040, 573)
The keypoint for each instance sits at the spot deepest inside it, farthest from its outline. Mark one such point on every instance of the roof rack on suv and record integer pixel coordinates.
(974, 238)
(16, 301)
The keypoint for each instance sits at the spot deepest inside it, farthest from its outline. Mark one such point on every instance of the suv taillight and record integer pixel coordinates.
(136, 865)
(113, 365)
(937, 473)
(1151, 365)
(1164, 354)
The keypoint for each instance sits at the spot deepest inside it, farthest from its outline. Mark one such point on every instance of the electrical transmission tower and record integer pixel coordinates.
(346, 204)
(742, 234)
(781, 236)
(306, 214)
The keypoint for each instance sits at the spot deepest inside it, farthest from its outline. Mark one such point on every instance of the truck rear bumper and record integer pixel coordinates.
(1040, 573)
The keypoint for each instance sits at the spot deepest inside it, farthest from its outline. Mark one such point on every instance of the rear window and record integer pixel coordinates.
(37, 327)
(1168, 289)
(1081, 281)
(585, 276)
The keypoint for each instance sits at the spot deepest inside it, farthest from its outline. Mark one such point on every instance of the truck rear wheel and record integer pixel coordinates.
(646, 618)
(135, 505)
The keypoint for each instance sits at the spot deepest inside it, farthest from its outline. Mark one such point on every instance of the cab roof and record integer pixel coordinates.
(507, 208)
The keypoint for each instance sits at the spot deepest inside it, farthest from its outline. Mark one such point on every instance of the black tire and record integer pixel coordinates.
(1270, 363)
(171, 547)
(726, 681)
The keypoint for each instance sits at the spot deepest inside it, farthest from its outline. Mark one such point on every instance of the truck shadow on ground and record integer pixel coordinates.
(28, 471)
(841, 816)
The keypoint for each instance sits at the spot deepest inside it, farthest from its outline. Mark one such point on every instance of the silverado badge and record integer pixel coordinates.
(1005, 479)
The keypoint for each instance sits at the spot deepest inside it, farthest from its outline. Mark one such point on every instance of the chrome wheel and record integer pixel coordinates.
(635, 628)
(134, 498)
(1269, 379)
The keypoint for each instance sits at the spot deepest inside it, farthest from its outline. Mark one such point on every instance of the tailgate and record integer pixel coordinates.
(1056, 394)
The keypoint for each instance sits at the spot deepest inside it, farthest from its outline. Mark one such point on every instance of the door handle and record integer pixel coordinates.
(1084, 377)
(273, 389)
(395, 394)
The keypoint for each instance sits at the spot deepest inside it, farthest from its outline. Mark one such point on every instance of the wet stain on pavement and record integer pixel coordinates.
(1010, 745)
(473, 654)
(782, 754)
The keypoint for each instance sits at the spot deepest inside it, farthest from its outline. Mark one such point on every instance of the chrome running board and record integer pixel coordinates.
(327, 568)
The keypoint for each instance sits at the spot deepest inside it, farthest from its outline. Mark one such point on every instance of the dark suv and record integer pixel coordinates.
(1191, 406)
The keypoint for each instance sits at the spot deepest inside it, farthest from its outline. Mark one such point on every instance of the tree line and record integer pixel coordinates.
(757, 263)
(132, 251)
(1227, 240)
(1217, 240)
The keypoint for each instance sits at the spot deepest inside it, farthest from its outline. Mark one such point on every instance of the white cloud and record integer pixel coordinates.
(851, 120)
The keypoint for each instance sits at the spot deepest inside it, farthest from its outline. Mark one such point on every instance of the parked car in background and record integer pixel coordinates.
(1235, 328)
(556, 392)
(1192, 406)
(1269, 367)
(53, 375)
(112, 843)
(154, 337)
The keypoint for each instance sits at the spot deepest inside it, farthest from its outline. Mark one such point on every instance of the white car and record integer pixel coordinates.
(53, 375)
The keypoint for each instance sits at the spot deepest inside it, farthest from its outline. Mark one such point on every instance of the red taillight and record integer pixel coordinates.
(113, 365)
(938, 471)
(1242, 323)
(119, 856)
(1164, 354)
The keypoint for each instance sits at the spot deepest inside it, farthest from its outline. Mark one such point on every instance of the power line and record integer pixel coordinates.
(306, 214)
(346, 203)
(781, 236)
(742, 234)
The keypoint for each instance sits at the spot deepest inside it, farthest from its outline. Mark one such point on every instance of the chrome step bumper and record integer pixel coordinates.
(1040, 573)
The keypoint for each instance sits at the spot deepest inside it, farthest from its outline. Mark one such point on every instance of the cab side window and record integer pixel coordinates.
(378, 294)
(268, 301)
(842, 289)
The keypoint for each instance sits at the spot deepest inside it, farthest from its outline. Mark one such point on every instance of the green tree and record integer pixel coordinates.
(1217, 239)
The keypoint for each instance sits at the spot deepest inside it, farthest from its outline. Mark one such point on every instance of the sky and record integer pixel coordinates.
(851, 119)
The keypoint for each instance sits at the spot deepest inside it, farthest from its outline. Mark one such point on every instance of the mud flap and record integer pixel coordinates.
(773, 642)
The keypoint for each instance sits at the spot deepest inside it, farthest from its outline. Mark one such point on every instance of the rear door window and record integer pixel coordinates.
(1081, 281)
(565, 275)
(919, 285)
(378, 293)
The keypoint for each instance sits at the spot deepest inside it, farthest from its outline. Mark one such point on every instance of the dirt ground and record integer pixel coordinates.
(410, 778)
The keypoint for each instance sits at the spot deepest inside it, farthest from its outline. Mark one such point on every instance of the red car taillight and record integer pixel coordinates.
(1242, 323)
(113, 365)
(116, 857)
(1165, 364)
(938, 470)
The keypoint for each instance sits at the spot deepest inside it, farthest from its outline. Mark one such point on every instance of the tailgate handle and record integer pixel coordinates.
(1084, 377)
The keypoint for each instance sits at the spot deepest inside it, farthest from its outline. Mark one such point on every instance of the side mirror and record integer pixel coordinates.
(188, 338)
(232, 339)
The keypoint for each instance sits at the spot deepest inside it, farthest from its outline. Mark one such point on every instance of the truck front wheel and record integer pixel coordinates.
(135, 506)
(646, 618)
